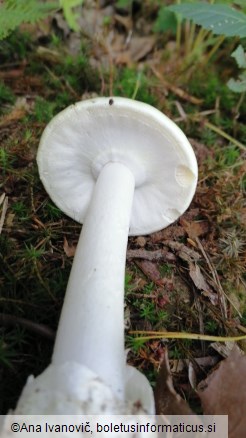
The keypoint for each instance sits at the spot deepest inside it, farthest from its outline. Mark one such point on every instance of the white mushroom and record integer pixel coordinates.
(121, 168)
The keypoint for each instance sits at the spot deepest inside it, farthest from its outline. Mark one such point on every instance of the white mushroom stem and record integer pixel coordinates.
(91, 327)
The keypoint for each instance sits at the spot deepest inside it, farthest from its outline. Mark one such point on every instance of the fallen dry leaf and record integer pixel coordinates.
(123, 58)
(178, 365)
(194, 229)
(136, 50)
(68, 249)
(167, 401)
(125, 21)
(224, 393)
(173, 232)
(192, 375)
(201, 284)
(140, 47)
(91, 20)
(225, 348)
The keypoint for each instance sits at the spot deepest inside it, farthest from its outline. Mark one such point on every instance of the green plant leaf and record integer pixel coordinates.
(124, 3)
(238, 85)
(240, 56)
(220, 19)
(15, 12)
(166, 20)
(70, 16)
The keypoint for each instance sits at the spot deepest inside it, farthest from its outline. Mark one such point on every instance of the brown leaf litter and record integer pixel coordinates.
(224, 393)
(167, 400)
(69, 249)
(201, 283)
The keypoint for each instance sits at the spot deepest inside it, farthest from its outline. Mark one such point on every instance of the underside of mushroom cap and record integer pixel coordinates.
(86, 136)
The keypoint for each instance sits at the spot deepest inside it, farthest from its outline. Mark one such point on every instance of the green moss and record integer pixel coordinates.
(77, 73)
(6, 161)
(6, 95)
(134, 343)
(131, 84)
(44, 110)
(16, 47)
(20, 210)
(208, 85)
(211, 328)
(166, 270)
(52, 212)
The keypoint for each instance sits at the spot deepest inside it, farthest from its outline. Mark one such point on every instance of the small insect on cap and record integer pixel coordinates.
(83, 138)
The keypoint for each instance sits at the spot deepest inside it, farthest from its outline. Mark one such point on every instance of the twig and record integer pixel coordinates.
(240, 327)
(183, 251)
(159, 254)
(139, 295)
(200, 318)
(45, 286)
(200, 114)
(197, 118)
(225, 135)
(13, 300)
(148, 335)
(66, 87)
(215, 276)
(4, 200)
(183, 115)
(40, 329)
(176, 90)
(241, 99)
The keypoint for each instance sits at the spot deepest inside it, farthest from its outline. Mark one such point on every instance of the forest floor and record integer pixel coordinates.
(188, 278)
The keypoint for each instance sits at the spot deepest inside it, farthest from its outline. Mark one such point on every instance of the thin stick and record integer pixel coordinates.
(178, 335)
(40, 329)
(176, 90)
(225, 135)
(216, 279)
(4, 210)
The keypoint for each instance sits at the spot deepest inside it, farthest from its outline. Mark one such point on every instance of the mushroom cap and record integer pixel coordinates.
(84, 137)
